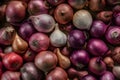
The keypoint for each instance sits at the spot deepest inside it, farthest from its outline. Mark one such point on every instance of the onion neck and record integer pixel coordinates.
(98, 60)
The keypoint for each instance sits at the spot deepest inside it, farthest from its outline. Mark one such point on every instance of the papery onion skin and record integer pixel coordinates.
(15, 11)
(79, 20)
(8, 49)
(97, 66)
(77, 4)
(97, 47)
(57, 73)
(39, 42)
(10, 75)
(113, 35)
(80, 58)
(63, 13)
(107, 76)
(88, 77)
(109, 62)
(46, 60)
(98, 29)
(30, 72)
(36, 7)
(76, 38)
(43, 22)
(55, 2)
(116, 71)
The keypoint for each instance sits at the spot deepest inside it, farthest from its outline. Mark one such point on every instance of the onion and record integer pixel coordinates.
(88, 77)
(97, 66)
(11, 61)
(57, 37)
(76, 38)
(98, 5)
(1, 69)
(57, 73)
(10, 75)
(26, 30)
(113, 35)
(116, 55)
(97, 47)
(46, 60)
(7, 35)
(15, 11)
(19, 45)
(112, 2)
(63, 13)
(109, 61)
(77, 4)
(116, 9)
(37, 7)
(30, 72)
(2, 11)
(117, 19)
(98, 29)
(107, 76)
(43, 22)
(79, 19)
(8, 49)
(65, 51)
(39, 42)
(64, 62)
(55, 2)
(80, 58)
(116, 71)
(105, 16)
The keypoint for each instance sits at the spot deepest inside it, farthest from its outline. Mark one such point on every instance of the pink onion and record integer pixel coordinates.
(55, 2)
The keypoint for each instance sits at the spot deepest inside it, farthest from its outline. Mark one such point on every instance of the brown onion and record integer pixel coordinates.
(109, 61)
(46, 60)
(116, 71)
(57, 74)
(63, 13)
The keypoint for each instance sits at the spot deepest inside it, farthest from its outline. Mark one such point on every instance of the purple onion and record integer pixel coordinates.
(98, 29)
(88, 77)
(26, 30)
(97, 47)
(107, 76)
(55, 2)
(117, 19)
(37, 7)
(113, 35)
(76, 38)
(80, 58)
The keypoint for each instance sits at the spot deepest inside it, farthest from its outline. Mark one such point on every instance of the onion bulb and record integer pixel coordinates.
(116, 71)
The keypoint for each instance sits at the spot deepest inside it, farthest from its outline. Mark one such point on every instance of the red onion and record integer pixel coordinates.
(77, 4)
(109, 61)
(63, 13)
(98, 29)
(116, 71)
(7, 35)
(117, 19)
(10, 75)
(15, 11)
(113, 35)
(2, 11)
(46, 60)
(97, 66)
(29, 55)
(30, 72)
(11, 61)
(55, 2)
(116, 9)
(79, 19)
(97, 47)
(26, 30)
(57, 73)
(80, 58)
(76, 38)
(39, 42)
(112, 2)
(37, 7)
(43, 22)
(88, 77)
(107, 76)
(1, 69)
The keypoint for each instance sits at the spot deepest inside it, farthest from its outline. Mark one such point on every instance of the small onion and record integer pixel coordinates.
(43, 22)
(46, 60)
(97, 47)
(63, 13)
(76, 38)
(55, 2)
(116, 71)
(57, 37)
(57, 73)
(39, 42)
(113, 35)
(79, 19)
(80, 58)
(88, 77)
